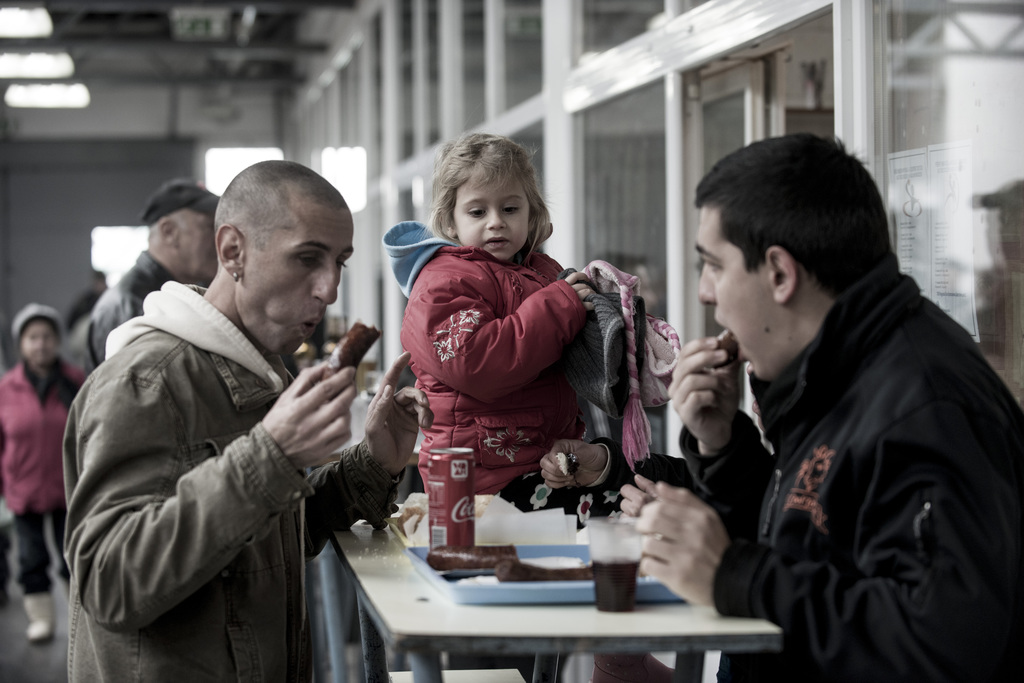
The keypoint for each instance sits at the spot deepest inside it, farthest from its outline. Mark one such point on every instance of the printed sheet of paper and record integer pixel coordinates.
(952, 234)
(908, 187)
(930, 192)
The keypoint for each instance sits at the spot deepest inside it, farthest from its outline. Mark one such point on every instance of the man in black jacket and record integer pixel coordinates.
(180, 219)
(883, 532)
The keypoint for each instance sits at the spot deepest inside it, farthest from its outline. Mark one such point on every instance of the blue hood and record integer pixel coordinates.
(410, 245)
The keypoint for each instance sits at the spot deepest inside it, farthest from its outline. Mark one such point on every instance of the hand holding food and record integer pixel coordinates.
(706, 397)
(573, 463)
(569, 463)
(310, 420)
(727, 342)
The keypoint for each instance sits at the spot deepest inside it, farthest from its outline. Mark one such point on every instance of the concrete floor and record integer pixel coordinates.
(21, 661)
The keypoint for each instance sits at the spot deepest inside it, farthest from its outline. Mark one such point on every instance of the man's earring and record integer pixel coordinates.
(236, 276)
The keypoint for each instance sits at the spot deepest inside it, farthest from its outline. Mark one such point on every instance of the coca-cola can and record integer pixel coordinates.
(450, 490)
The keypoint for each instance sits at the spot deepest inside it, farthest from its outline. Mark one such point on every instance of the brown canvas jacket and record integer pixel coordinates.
(185, 533)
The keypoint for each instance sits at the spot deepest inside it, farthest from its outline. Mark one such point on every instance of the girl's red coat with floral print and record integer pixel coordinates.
(486, 337)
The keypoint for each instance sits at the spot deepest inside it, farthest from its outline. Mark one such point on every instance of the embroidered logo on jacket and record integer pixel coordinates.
(506, 442)
(812, 473)
(453, 335)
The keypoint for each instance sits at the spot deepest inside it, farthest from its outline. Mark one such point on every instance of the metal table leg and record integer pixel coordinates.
(425, 666)
(689, 667)
(375, 660)
(545, 668)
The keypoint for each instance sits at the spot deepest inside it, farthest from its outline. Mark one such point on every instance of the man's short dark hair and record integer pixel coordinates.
(807, 195)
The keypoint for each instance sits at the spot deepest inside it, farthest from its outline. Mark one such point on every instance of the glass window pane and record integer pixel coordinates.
(623, 213)
(473, 62)
(723, 128)
(523, 50)
(532, 139)
(953, 167)
(350, 109)
(606, 23)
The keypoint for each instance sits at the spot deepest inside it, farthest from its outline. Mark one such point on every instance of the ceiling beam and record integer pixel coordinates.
(281, 6)
(256, 50)
(162, 80)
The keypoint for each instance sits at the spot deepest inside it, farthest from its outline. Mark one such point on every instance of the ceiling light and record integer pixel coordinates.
(25, 23)
(36, 65)
(71, 96)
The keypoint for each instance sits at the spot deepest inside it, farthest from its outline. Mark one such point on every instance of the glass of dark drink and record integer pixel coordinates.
(615, 555)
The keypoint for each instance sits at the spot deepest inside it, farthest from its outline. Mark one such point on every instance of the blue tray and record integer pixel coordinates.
(648, 589)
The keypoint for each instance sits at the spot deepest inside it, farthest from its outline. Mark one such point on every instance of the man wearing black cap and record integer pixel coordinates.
(180, 219)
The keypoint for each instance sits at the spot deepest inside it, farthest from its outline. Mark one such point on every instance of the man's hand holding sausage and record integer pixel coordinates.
(706, 397)
(310, 420)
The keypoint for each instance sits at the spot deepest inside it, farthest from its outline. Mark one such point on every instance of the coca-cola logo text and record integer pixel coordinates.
(460, 469)
(462, 511)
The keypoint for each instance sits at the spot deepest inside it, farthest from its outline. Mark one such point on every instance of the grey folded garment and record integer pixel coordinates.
(595, 361)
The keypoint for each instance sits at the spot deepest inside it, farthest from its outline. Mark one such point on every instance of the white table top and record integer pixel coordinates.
(412, 615)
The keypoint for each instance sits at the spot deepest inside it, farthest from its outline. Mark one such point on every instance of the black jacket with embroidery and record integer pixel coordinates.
(889, 541)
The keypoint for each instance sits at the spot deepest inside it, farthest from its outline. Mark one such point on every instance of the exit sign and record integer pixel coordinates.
(200, 23)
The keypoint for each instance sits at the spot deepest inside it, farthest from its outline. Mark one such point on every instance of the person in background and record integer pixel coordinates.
(883, 532)
(35, 396)
(189, 508)
(5, 352)
(85, 302)
(79, 318)
(6, 521)
(180, 219)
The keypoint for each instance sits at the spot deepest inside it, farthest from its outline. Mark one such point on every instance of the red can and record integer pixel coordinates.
(451, 492)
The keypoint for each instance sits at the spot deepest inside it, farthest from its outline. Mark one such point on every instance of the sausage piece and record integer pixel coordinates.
(727, 342)
(514, 570)
(353, 346)
(445, 557)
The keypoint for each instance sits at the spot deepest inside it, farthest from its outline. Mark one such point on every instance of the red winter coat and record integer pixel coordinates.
(31, 438)
(485, 337)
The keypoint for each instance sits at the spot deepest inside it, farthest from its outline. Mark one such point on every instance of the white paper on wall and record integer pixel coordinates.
(930, 192)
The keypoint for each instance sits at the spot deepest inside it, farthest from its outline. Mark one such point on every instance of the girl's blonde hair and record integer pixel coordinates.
(491, 158)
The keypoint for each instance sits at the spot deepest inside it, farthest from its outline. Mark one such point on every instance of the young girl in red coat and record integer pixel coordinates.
(486, 324)
(487, 321)
(34, 400)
